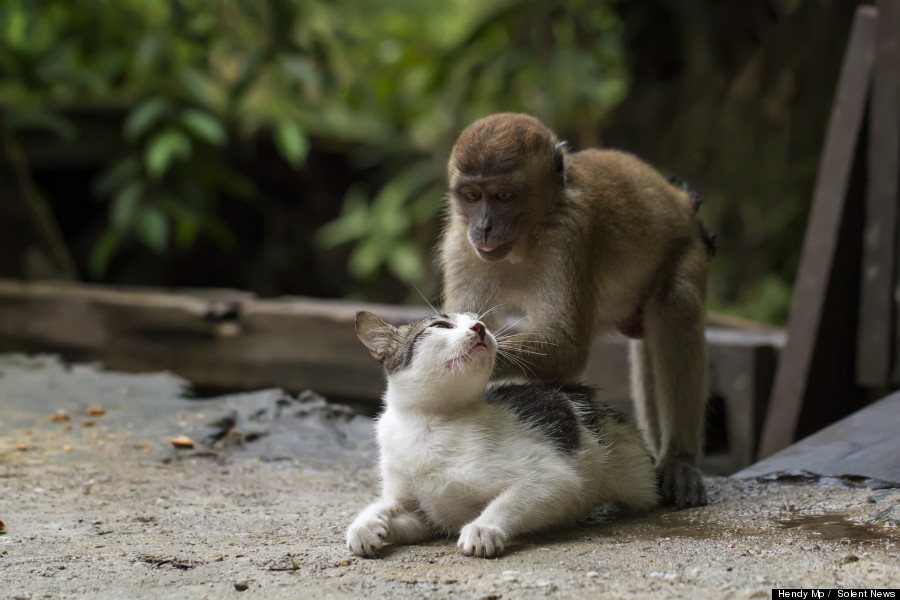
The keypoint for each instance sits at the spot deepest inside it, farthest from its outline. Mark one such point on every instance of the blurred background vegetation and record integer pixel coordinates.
(298, 146)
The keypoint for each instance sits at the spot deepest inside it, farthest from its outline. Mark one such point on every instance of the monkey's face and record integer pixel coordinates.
(504, 172)
(495, 212)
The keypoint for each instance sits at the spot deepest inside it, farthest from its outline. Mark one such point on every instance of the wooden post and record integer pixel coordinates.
(877, 313)
(817, 272)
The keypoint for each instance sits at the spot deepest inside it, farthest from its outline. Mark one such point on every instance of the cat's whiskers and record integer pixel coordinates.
(501, 338)
(524, 351)
(509, 326)
(514, 360)
(431, 306)
(520, 345)
(489, 311)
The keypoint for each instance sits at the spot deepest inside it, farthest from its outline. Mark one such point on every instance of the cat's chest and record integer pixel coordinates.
(434, 447)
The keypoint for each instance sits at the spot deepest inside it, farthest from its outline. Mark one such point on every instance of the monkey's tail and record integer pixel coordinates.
(709, 239)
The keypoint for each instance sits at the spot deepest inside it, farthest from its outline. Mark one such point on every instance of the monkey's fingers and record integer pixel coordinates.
(681, 484)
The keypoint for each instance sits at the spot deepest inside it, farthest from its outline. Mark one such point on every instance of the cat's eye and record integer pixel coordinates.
(442, 325)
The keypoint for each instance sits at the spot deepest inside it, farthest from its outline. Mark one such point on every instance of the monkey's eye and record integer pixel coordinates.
(503, 196)
(472, 196)
(442, 325)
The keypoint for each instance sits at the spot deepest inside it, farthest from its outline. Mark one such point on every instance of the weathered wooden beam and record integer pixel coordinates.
(877, 311)
(212, 340)
(818, 273)
(865, 443)
(223, 339)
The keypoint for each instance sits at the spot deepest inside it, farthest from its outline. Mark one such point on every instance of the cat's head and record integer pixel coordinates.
(443, 348)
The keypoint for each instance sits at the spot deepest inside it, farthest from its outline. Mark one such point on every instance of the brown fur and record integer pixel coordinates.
(581, 243)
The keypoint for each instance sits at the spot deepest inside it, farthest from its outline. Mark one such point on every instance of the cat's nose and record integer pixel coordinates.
(479, 329)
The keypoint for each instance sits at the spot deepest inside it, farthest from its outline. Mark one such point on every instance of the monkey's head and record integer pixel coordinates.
(505, 172)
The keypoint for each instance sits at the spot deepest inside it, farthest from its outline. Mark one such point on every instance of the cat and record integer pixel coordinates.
(486, 462)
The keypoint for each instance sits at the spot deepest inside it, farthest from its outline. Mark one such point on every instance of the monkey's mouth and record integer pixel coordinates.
(494, 253)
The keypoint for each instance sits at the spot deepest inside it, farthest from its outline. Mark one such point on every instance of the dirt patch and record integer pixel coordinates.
(135, 517)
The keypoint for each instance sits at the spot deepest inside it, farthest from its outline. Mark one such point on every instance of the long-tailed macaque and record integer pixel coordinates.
(580, 243)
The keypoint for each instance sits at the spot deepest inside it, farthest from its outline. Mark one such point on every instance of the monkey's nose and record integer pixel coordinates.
(478, 328)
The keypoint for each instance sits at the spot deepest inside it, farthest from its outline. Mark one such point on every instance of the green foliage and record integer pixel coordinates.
(393, 82)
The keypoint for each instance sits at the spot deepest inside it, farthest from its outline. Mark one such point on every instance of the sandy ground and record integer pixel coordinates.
(102, 506)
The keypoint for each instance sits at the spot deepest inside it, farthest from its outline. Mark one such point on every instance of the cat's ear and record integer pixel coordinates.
(375, 333)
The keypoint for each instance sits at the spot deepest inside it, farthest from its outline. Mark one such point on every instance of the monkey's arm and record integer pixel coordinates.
(553, 340)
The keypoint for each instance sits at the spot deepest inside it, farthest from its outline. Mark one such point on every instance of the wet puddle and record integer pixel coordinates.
(835, 527)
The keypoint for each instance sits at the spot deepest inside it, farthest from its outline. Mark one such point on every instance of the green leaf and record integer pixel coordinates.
(292, 143)
(124, 205)
(298, 67)
(144, 116)
(428, 203)
(405, 262)
(204, 126)
(185, 233)
(117, 176)
(152, 228)
(102, 252)
(166, 147)
(17, 119)
(389, 215)
(192, 82)
(367, 257)
(351, 225)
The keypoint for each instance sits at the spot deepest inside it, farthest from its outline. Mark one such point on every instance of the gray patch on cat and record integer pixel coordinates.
(541, 406)
(555, 410)
(406, 338)
(593, 414)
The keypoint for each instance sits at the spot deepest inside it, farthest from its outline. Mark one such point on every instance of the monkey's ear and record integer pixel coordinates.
(375, 333)
(559, 152)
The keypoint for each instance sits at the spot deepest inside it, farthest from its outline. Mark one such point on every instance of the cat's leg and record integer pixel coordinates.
(518, 509)
(384, 522)
(626, 474)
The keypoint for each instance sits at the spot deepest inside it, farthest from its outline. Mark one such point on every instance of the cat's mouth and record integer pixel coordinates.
(472, 353)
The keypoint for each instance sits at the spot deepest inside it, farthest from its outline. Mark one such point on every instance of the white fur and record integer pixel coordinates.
(453, 464)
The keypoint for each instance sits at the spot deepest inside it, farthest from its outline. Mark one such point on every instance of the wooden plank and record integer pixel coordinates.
(742, 371)
(817, 266)
(865, 443)
(877, 334)
(228, 340)
(241, 343)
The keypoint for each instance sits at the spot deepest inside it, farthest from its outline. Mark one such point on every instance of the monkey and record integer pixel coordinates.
(579, 243)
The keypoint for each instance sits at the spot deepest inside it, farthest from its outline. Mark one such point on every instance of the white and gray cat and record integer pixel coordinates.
(486, 462)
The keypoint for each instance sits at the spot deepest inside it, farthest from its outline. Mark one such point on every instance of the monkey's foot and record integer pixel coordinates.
(680, 484)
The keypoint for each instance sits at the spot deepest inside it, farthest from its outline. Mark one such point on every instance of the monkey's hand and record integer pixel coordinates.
(680, 483)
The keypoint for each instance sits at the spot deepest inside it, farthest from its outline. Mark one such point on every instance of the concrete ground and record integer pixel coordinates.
(96, 502)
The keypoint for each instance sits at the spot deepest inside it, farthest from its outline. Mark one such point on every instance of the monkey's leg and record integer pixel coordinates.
(644, 394)
(675, 333)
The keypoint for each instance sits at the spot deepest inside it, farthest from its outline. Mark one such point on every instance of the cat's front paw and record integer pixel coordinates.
(366, 539)
(484, 541)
